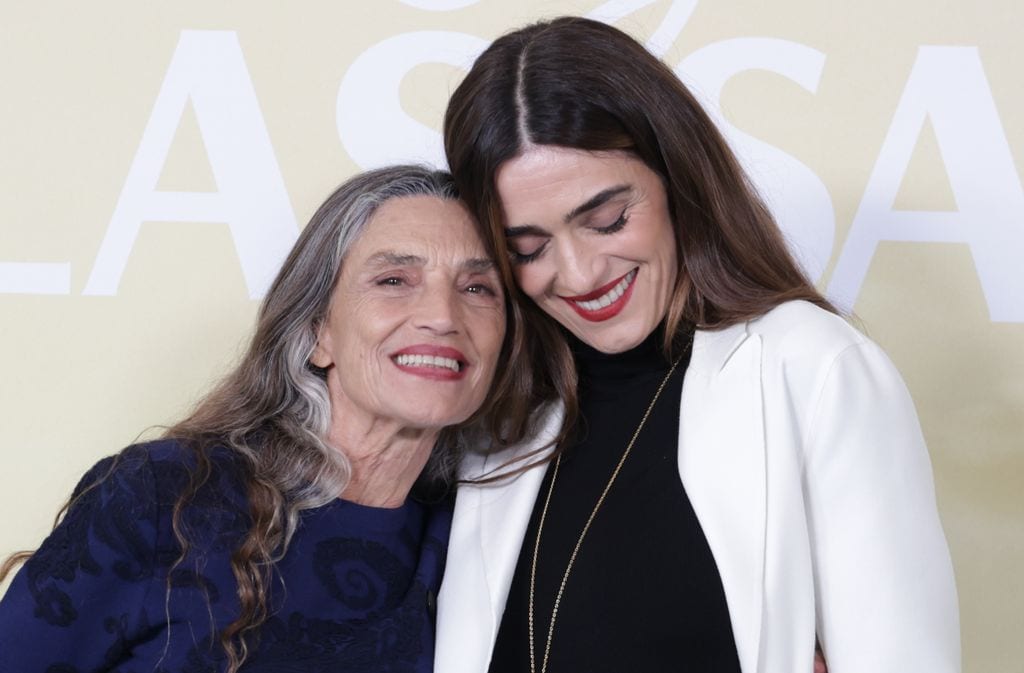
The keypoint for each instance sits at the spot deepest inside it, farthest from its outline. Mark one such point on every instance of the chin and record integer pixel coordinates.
(611, 341)
(617, 347)
(436, 420)
(616, 335)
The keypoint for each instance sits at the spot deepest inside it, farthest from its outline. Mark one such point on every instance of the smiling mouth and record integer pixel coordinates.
(430, 361)
(605, 302)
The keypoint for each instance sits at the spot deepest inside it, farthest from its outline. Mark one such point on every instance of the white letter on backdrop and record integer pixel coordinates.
(35, 278)
(439, 5)
(672, 24)
(948, 86)
(208, 68)
(797, 197)
(373, 127)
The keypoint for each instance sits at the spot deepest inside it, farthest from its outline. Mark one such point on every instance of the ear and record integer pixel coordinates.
(321, 356)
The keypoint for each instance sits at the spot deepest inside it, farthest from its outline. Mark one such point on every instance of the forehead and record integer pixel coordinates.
(550, 180)
(427, 226)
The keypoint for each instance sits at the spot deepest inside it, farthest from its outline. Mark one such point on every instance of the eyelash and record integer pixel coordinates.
(486, 289)
(614, 227)
(519, 258)
(475, 288)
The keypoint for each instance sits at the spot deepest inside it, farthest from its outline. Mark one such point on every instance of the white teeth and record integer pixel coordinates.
(611, 296)
(427, 361)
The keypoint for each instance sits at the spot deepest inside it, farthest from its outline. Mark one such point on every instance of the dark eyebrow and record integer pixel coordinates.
(524, 230)
(391, 258)
(595, 201)
(477, 265)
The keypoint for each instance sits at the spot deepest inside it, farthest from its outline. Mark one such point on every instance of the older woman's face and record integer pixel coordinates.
(591, 241)
(416, 320)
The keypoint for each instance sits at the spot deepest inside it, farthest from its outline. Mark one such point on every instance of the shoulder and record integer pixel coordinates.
(152, 480)
(175, 464)
(802, 342)
(801, 329)
(110, 526)
(827, 371)
(154, 470)
(209, 483)
(795, 333)
(142, 461)
(124, 476)
(795, 352)
(808, 349)
(145, 481)
(486, 463)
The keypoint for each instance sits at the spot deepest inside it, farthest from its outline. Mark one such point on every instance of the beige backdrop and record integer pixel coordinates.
(888, 135)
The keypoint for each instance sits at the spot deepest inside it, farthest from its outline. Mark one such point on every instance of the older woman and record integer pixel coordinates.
(297, 520)
(727, 471)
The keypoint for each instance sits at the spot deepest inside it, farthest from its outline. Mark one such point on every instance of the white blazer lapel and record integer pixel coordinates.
(722, 465)
(487, 533)
(505, 510)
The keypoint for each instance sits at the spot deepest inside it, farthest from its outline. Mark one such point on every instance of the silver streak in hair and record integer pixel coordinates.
(274, 408)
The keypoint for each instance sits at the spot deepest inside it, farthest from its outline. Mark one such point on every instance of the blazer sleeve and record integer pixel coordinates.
(885, 593)
(77, 603)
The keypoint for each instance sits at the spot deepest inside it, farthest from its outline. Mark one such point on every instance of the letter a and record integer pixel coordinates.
(207, 68)
(947, 85)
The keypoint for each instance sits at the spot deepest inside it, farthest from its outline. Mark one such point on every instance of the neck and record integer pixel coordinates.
(386, 460)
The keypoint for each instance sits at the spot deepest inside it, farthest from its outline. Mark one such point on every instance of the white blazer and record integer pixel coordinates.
(801, 453)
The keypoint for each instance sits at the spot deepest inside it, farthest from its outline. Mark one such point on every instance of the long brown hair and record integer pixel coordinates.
(576, 83)
(272, 412)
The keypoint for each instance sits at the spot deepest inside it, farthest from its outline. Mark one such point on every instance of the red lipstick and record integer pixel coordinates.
(605, 312)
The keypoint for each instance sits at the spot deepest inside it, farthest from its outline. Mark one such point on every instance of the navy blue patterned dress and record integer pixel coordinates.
(353, 593)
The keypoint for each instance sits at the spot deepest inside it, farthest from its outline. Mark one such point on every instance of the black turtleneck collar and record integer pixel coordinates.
(617, 372)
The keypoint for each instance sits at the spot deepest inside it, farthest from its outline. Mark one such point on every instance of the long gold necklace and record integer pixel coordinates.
(586, 526)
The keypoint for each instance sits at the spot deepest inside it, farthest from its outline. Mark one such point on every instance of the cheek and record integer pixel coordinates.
(367, 329)
(531, 279)
(491, 328)
(665, 235)
(670, 262)
(657, 244)
(486, 330)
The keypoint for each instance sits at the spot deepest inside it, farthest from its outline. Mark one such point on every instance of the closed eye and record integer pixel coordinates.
(524, 258)
(615, 226)
(525, 237)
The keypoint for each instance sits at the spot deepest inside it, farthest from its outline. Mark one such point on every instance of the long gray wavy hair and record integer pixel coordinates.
(273, 410)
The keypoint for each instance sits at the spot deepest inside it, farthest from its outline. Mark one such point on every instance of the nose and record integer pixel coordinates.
(576, 269)
(436, 310)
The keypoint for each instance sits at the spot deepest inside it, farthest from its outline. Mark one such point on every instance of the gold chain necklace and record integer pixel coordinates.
(586, 526)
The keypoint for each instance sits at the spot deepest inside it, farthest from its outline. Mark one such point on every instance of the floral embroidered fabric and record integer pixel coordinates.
(102, 593)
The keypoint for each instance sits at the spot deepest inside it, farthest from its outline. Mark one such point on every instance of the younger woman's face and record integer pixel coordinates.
(591, 241)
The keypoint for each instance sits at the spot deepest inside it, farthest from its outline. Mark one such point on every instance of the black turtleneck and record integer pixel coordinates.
(644, 593)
